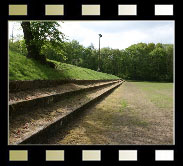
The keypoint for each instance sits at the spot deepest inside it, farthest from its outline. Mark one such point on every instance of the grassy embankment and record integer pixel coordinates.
(21, 68)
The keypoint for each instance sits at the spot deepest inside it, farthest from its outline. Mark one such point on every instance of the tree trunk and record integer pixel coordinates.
(32, 48)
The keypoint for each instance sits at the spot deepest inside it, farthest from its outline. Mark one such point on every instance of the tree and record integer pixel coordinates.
(55, 52)
(36, 34)
(158, 63)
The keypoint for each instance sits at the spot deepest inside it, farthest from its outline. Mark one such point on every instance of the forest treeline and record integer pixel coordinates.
(153, 62)
(150, 62)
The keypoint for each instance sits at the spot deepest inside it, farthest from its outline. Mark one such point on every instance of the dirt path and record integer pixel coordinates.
(127, 116)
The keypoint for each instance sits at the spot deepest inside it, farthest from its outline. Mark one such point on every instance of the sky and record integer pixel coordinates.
(115, 34)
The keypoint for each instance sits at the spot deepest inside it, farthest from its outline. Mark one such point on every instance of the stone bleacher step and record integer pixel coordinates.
(42, 123)
(22, 105)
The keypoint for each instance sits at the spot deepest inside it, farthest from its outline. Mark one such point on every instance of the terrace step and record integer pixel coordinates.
(18, 85)
(42, 123)
(27, 100)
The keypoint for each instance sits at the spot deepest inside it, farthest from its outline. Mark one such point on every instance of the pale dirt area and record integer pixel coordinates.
(24, 125)
(126, 116)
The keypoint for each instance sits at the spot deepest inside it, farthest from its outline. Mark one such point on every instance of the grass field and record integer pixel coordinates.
(22, 68)
(137, 113)
(161, 94)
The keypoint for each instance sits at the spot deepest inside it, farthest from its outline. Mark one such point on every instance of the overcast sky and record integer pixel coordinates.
(115, 34)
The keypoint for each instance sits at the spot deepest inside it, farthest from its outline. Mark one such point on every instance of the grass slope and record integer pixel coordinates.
(21, 68)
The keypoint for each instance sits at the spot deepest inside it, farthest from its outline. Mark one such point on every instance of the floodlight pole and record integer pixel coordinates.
(99, 53)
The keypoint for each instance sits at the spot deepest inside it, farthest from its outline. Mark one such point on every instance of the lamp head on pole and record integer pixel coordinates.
(100, 35)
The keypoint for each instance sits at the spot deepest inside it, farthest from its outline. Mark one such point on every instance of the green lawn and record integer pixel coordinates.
(161, 94)
(22, 68)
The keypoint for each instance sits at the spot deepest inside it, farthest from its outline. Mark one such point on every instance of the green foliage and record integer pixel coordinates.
(147, 62)
(46, 31)
(55, 52)
(38, 33)
(73, 51)
(18, 46)
(22, 68)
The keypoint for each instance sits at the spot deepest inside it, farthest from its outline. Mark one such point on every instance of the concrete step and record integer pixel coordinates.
(48, 96)
(42, 123)
(19, 85)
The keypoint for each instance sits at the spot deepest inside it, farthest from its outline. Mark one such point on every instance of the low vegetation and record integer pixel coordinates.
(159, 93)
(22, 68)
